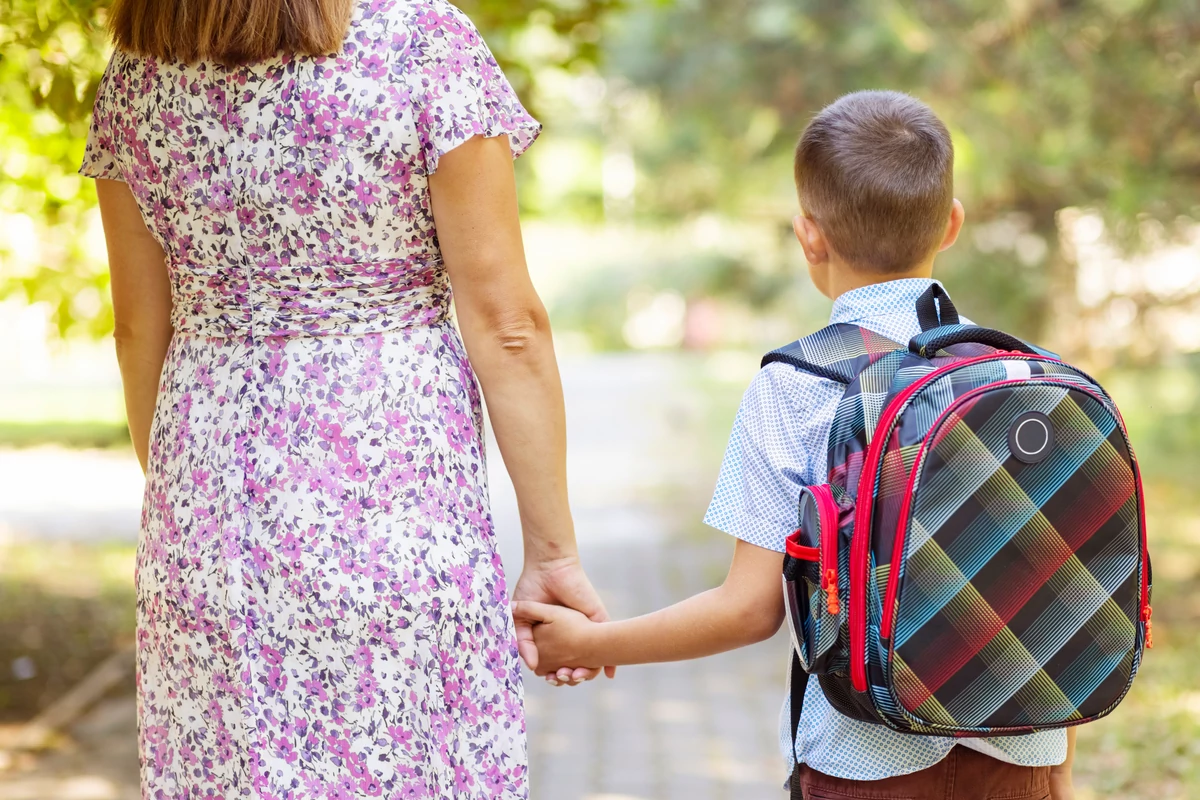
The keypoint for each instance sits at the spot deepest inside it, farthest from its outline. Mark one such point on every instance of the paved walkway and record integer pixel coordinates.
(703, 730)
(640, 464)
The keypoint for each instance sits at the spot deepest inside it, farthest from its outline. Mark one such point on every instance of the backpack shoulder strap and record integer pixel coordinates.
(838, 352)
(798, 679)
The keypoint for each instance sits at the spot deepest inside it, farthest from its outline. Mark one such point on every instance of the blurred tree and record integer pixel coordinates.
(1052, 103)
(527, 34)
(52, 53)
(51, 57)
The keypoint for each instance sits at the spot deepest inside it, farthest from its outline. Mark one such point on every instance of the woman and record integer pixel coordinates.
(321, 609)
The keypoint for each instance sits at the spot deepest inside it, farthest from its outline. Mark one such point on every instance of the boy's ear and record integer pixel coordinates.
(816, 250)
(954, 225)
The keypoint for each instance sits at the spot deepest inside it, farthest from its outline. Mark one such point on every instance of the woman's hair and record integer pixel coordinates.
(229, 31)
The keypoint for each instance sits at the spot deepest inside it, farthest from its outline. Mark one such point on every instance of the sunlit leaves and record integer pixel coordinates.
(51, 56)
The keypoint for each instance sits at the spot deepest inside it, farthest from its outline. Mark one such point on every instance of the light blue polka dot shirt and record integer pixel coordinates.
(777, 446)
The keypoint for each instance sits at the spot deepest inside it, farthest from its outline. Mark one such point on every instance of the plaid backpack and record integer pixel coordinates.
(976, 564)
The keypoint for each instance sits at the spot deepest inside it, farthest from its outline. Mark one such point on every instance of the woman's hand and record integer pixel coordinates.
(559, 582)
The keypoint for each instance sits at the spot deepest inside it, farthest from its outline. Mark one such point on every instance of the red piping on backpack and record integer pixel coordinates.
(797, 550)
(1147, 611)
(889, 598)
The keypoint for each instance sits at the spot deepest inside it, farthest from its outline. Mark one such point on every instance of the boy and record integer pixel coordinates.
(874, 173)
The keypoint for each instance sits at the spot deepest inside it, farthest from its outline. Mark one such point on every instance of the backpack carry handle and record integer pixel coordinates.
(935, 308)
(941, 327)
(927, 344)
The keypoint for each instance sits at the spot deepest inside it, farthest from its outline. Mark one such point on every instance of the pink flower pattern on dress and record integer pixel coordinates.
(321, 609)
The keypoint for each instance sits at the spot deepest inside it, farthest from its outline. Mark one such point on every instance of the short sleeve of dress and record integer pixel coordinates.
(100, 154)
(458, 89)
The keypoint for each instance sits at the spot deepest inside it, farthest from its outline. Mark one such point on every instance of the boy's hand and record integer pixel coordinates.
(561, 635)
(1061, 786)
(560, 582)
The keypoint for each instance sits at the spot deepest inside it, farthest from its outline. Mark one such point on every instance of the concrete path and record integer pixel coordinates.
(703, 730)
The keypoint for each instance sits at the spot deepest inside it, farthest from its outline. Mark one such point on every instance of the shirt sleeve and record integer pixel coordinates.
(777, 447)
(458, 89)
(100, 153)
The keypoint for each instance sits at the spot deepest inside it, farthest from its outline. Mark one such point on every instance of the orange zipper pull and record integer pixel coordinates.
(832, 604)
(1146, 614)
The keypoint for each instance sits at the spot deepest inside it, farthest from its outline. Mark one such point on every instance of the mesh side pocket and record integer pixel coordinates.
(810, 580)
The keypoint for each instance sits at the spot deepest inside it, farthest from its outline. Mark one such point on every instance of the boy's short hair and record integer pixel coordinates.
(875, 171)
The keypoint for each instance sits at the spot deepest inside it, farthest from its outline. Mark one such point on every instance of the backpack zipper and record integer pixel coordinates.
(1147, 611)
(827, 510)
(889, 598)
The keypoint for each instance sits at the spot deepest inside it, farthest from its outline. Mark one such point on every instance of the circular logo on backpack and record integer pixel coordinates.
(1031, 437)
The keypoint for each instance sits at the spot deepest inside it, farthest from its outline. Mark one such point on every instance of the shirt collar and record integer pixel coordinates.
(879, 299)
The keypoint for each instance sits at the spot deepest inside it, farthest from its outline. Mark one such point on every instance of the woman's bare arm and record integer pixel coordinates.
(507, 333)
(141, 293)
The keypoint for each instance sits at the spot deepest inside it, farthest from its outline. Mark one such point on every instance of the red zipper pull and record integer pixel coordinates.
(1146, 613)
(832, 604)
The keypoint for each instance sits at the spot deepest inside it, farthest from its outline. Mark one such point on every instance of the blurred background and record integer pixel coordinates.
(657, 216)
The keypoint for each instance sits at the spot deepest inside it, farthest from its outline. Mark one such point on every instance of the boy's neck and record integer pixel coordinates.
(845, 278)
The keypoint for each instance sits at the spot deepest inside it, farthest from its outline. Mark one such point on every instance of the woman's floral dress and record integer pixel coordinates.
(321, 609)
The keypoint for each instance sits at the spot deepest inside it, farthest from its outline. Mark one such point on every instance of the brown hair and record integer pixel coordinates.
(229, 31)
(875, 171)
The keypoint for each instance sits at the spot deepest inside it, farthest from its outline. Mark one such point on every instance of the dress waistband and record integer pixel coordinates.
(293, 301)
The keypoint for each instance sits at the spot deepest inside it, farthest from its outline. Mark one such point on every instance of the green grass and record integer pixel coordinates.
(102, 435)
(63, 609)
(1150, 746)
(85, 416)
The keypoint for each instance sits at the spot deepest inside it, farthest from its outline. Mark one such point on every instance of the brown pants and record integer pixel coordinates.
(963, 775)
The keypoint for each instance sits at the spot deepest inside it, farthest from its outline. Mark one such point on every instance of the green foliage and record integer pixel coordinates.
(1094, 103)
(1052, 103)
(51, 57)
(526, 35)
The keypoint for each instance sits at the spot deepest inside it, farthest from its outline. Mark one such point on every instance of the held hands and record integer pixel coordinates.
(543, 589)
(562, 636)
